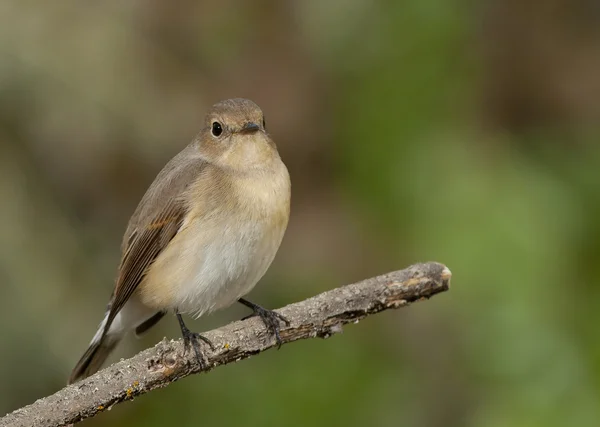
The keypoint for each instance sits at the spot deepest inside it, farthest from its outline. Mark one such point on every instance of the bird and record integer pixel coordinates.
(204, 233)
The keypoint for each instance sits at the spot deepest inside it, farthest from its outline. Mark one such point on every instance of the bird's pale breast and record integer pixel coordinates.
(220, 255)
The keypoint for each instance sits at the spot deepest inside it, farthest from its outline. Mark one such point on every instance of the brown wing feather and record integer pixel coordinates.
(155, 222)
(145, 247)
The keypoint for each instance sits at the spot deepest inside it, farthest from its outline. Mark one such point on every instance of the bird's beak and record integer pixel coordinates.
(250, 128)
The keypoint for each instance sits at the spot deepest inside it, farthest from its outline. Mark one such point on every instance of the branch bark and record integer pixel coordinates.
(319, 316)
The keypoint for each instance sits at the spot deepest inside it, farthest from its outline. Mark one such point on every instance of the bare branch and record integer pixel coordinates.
(319, 316)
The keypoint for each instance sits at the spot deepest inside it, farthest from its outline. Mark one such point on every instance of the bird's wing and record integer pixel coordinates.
(155, 222)
(146, 244)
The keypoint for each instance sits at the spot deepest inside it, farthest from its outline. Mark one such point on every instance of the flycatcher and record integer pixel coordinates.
(203, 235)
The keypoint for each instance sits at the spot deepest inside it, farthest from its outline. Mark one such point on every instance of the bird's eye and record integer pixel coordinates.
(217, 129)
(264, 123)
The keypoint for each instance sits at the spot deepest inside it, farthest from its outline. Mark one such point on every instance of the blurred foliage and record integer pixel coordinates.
(466, 133)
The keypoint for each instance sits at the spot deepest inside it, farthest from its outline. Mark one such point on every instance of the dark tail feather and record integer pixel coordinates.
(94, 357)
(148, 323)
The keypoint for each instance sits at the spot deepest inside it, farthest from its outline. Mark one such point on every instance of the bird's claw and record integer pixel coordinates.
(192, 339)
(271, 320)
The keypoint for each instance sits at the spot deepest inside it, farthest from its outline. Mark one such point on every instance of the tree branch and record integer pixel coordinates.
(319, 316)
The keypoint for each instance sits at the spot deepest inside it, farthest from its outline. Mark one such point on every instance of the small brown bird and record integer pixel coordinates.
(203, 235)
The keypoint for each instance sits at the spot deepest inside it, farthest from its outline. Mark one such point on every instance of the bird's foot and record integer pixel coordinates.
(192, 339)
(270, 318)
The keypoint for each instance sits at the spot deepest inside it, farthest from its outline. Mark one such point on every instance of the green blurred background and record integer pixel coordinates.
(462, 132)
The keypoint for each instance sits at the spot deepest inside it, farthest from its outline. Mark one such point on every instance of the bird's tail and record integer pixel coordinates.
(134, 316)
(103, 343)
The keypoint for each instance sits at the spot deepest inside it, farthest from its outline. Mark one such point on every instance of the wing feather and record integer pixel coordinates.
(154, 224)
(144, 248)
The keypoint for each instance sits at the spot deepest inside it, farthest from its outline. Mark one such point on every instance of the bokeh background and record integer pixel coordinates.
(462, 132)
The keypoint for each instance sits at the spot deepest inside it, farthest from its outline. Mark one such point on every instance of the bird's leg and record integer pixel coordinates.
(191, 338)
(270, 318)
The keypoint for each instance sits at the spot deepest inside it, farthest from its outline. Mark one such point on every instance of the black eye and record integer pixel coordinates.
(264, 124)
(217, 129)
